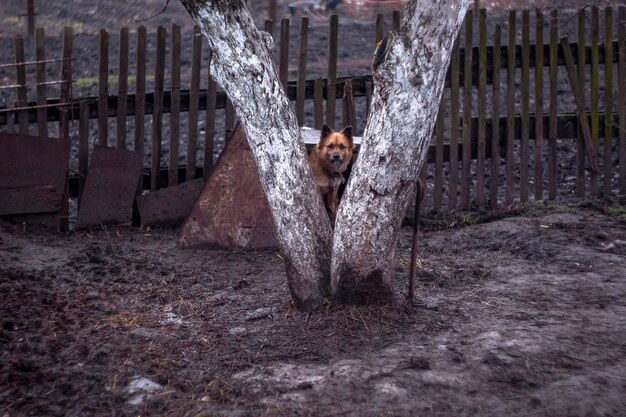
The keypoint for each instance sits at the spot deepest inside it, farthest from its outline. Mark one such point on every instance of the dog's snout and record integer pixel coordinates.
(336, 157)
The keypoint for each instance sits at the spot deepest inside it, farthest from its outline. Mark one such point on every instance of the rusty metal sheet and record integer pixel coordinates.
(169, 206)
(110, 187)
(29, 162)
(29, 200)
(232, 210)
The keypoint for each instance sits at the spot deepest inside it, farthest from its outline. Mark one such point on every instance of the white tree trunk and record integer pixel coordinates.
(243, 66)
(409, 73)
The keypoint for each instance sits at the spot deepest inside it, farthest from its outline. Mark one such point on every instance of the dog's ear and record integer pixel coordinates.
(347, 132)
(326, 130)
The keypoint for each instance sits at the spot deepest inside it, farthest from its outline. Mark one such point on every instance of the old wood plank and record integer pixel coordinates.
(553, 71)
(539, 68)
(83, 143)
(608, 102)
(66, 83)
(455, 68)
(482, 108)
(582, 72)
(157, 113)
(302, 57)
(172, 171)
(140, 96)
(331, 87)
(495, 126)
(20, 78)
(30, 200)
(209, 128)
(103, 88)
(283, 66)
(467, 112)
(122, 89)
(621, 97)
(439, 133)
(318, 104)
(510, 126)
(524, 106)
(40, 56)
(595, 95)
(194, 102)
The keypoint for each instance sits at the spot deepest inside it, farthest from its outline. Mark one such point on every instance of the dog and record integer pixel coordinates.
(330, 159)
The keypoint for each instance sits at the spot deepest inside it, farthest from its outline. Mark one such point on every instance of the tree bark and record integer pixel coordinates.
(409, 72)
(242, 65)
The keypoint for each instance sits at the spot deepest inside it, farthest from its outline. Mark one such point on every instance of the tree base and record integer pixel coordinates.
(353, 288)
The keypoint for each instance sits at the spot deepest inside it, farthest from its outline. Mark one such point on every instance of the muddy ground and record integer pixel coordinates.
(520, 313)
(523, 315)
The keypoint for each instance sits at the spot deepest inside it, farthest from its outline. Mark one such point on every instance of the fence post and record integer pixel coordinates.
(283, 66)
(122, 88)
(103, 89)
(539, 106)
(40, 54)
(524, 107)
(140, 98)
(66, 84)
(495, 119)
(172, 169)
(467, 111)
(482, 108)
(301, 88)
(331, 87)
(194, 102)
(595, 93)
(621, 97)
(157, 112)
(22, 100)
(608, 101)
(455, 73)
(209, 128)
(510, 113)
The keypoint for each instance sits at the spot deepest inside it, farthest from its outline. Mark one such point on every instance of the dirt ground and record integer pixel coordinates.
(517, 314)
(523, 315)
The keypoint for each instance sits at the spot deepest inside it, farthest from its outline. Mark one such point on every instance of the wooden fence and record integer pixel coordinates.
(499, 135)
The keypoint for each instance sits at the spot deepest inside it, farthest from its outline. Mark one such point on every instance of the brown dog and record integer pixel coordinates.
(330, 158)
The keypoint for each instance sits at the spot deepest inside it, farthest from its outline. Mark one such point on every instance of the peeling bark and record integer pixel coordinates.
(409, 73)
(242, 65)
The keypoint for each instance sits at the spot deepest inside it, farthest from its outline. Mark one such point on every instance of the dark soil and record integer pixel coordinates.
(519, 316)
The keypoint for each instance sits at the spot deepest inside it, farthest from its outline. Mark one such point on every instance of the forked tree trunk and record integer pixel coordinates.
(242, 65)
(409, 73)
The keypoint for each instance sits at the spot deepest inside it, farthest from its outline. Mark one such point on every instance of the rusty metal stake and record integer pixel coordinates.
(419, 196)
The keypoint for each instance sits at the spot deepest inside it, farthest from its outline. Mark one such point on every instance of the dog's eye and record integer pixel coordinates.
(342, 147)
(331, 146)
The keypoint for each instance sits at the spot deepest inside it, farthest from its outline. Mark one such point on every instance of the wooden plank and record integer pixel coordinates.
(122, 90)
(395, 19)
(539, 65)
(467, 112)
(349, 111)
(229, 119)
(495, 126)
(194, 102)
(582, 117)
(40, 56)
(30, 200)
(524, 106)
(368, 97)
(110, 187)
(621, 97)
(580, 140)
(553, 70)
(439, 131)
(20, 75)
(482, 108)
(301, 86)
(379, 27)
(103, 88)
(318, 104)
(510, 125)
(83, 143)
(66, 78)
(608, 102)
(209, 128)
(595, 94)
(283, 66)
(331, 87)
(172, 172)
(140, 96)
(455, 68)
(157, 112)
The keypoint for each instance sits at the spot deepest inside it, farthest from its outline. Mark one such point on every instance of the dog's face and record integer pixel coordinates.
(335, 148)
